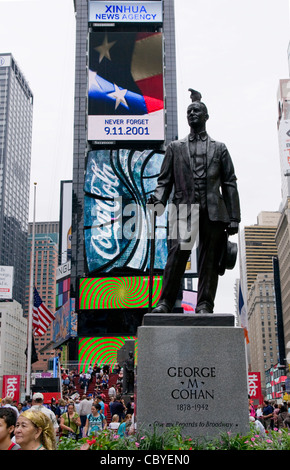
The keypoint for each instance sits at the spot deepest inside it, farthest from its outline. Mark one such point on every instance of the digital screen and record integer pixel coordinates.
(65, 323)
(62, 292)
(125, 86)
(125, 12)
(117, 222)
(118, 292)
(101, 351)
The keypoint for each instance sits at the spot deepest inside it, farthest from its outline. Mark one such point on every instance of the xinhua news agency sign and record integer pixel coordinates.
(125, 12)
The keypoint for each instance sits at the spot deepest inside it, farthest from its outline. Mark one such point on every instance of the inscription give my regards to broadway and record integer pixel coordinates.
(193, 392)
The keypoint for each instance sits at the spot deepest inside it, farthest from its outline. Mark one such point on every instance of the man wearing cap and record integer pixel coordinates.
(201, 174)
(37, 404)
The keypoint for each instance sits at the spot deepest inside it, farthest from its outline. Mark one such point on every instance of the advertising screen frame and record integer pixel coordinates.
(125, 12)
(112, 292)
(126, 95)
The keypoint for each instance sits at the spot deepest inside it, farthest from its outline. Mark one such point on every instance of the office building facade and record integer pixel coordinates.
(45, 265)
(16, 108)
(262, 322)
(258, 247)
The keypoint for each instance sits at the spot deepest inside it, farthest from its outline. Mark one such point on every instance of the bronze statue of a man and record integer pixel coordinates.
(200, 172)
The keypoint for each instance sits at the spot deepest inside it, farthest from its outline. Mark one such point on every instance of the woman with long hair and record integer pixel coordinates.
(34, 431)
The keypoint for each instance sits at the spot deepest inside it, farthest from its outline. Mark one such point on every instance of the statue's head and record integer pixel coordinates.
(197, 113)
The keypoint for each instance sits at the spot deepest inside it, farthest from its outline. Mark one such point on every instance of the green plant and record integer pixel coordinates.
(172, 439)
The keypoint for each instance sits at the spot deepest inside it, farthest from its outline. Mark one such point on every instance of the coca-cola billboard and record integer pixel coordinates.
(117, 223)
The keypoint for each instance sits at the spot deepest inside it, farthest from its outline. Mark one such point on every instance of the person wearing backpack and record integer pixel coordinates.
(96, 421)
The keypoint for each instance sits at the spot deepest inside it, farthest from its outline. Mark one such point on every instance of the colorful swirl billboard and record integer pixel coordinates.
(101, 351)
(117, 223)
(125, 91)
(118, 292)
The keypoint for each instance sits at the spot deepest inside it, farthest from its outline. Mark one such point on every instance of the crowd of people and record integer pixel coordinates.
(270, 415)
(35, 425)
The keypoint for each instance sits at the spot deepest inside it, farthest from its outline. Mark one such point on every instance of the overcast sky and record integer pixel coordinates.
(234, 52)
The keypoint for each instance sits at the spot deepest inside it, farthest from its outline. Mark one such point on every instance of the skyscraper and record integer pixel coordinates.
(45, 264)
(98, 42)
(16, 107)
(257, 248)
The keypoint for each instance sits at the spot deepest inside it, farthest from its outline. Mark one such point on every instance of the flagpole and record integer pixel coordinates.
(29, 334)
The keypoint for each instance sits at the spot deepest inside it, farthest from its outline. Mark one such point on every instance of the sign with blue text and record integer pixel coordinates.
(125, 12)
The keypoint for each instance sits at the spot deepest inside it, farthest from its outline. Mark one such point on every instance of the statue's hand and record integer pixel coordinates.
(233, 228)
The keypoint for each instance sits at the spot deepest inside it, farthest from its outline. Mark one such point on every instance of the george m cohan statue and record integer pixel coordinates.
(200, 172)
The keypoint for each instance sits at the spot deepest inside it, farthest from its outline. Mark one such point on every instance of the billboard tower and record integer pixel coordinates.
(125, 73)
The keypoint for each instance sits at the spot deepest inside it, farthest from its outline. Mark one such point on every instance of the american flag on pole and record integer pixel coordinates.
(243, 315)
(41, 315)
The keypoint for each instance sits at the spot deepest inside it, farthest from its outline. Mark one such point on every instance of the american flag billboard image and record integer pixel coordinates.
(125, 86)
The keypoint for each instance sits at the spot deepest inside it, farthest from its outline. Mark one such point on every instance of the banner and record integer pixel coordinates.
(6, 282)
(126, 92)
(254, 384)
(11, 387)
(125, 12)
(117, 224)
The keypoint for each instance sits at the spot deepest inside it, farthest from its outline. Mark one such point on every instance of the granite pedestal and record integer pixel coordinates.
(192, 372)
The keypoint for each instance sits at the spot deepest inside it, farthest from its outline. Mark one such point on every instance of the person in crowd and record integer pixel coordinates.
(258, 425)
(123, 429)
(268, 411)
(77, 404)
(70, 422)
(7, 402)
(99, 400)
(60, 409)
(105, 381)
(118, 407)
(259, 412)
(37, 405)
(34, 431)
(95, 422)
(7, 426)
(275, 414)
(283, 418)
(112, 391)
(114, 424)
(130, 405)
(20, 407)
(53, 406)
(252, 410)
(85, 409)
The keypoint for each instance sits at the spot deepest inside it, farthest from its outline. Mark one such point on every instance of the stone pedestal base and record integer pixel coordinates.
(192, 376)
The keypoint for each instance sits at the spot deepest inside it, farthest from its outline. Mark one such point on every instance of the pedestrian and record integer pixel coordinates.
(37, 405)
(267, 414)
(7, 426)
(114, 424)
(34, 431)
(112, 391)
(95, 422)
(258, 426)
(123, 429)
(118, 407)
(283, 418)
(7, 402)
(70, 422)
(85, 409)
